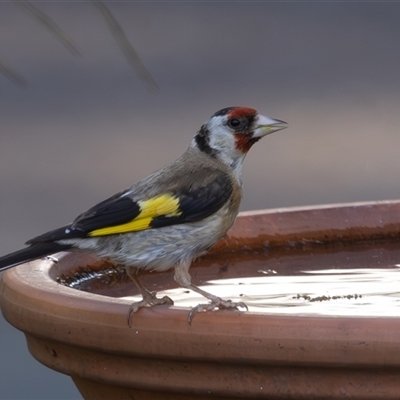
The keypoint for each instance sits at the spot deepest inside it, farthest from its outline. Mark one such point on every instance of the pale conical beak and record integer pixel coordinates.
(266, 125)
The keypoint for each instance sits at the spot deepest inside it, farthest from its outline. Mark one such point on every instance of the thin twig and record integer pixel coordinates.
(126, 47)
(50, 25)
(10, 74)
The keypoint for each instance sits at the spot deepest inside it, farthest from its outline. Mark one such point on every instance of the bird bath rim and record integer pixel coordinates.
(84, 334)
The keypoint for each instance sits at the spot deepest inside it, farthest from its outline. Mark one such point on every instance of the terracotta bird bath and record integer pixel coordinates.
(321, 283)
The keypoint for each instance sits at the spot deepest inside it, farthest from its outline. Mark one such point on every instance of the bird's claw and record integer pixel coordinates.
(149, 300)
(216, 302)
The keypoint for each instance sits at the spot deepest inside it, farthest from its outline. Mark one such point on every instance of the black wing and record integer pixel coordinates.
(121, 214)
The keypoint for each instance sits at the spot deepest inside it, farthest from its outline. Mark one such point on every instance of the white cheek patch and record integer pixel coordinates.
(221, 137)
(222, 140)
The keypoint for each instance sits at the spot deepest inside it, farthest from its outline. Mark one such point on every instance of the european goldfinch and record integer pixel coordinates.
(171, 217)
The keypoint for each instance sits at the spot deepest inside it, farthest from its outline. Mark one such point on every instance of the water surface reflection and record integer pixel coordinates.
(326, 279)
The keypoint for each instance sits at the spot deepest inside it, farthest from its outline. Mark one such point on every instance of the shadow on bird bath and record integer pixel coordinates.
(321, 285)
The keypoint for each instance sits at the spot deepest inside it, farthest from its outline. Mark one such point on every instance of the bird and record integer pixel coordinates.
(168, 219)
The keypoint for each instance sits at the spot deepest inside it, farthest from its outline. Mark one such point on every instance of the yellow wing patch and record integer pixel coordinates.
(164, 204)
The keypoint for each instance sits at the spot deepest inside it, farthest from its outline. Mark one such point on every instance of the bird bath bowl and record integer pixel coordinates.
(321, 283)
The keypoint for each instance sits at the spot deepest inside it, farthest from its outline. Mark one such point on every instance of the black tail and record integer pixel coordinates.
(31, 253)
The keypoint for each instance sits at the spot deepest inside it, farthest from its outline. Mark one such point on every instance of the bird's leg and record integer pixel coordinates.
(149, 298)
(216, 302)
(182, 277)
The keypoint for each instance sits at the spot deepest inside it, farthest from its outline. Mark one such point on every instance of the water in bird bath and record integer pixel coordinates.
(359, 279)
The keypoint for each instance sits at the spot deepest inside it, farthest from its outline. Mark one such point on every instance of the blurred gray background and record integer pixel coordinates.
(83, 128)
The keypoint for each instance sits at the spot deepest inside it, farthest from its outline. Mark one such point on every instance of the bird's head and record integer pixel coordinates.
(230, 133)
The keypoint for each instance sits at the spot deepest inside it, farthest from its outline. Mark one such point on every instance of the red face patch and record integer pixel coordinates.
(240, 112)
(243, 142)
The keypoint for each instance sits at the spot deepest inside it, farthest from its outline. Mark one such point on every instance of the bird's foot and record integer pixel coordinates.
(149, 300)
(216, 303)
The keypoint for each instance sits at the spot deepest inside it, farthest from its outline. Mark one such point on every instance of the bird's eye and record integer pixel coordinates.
(236, 123)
